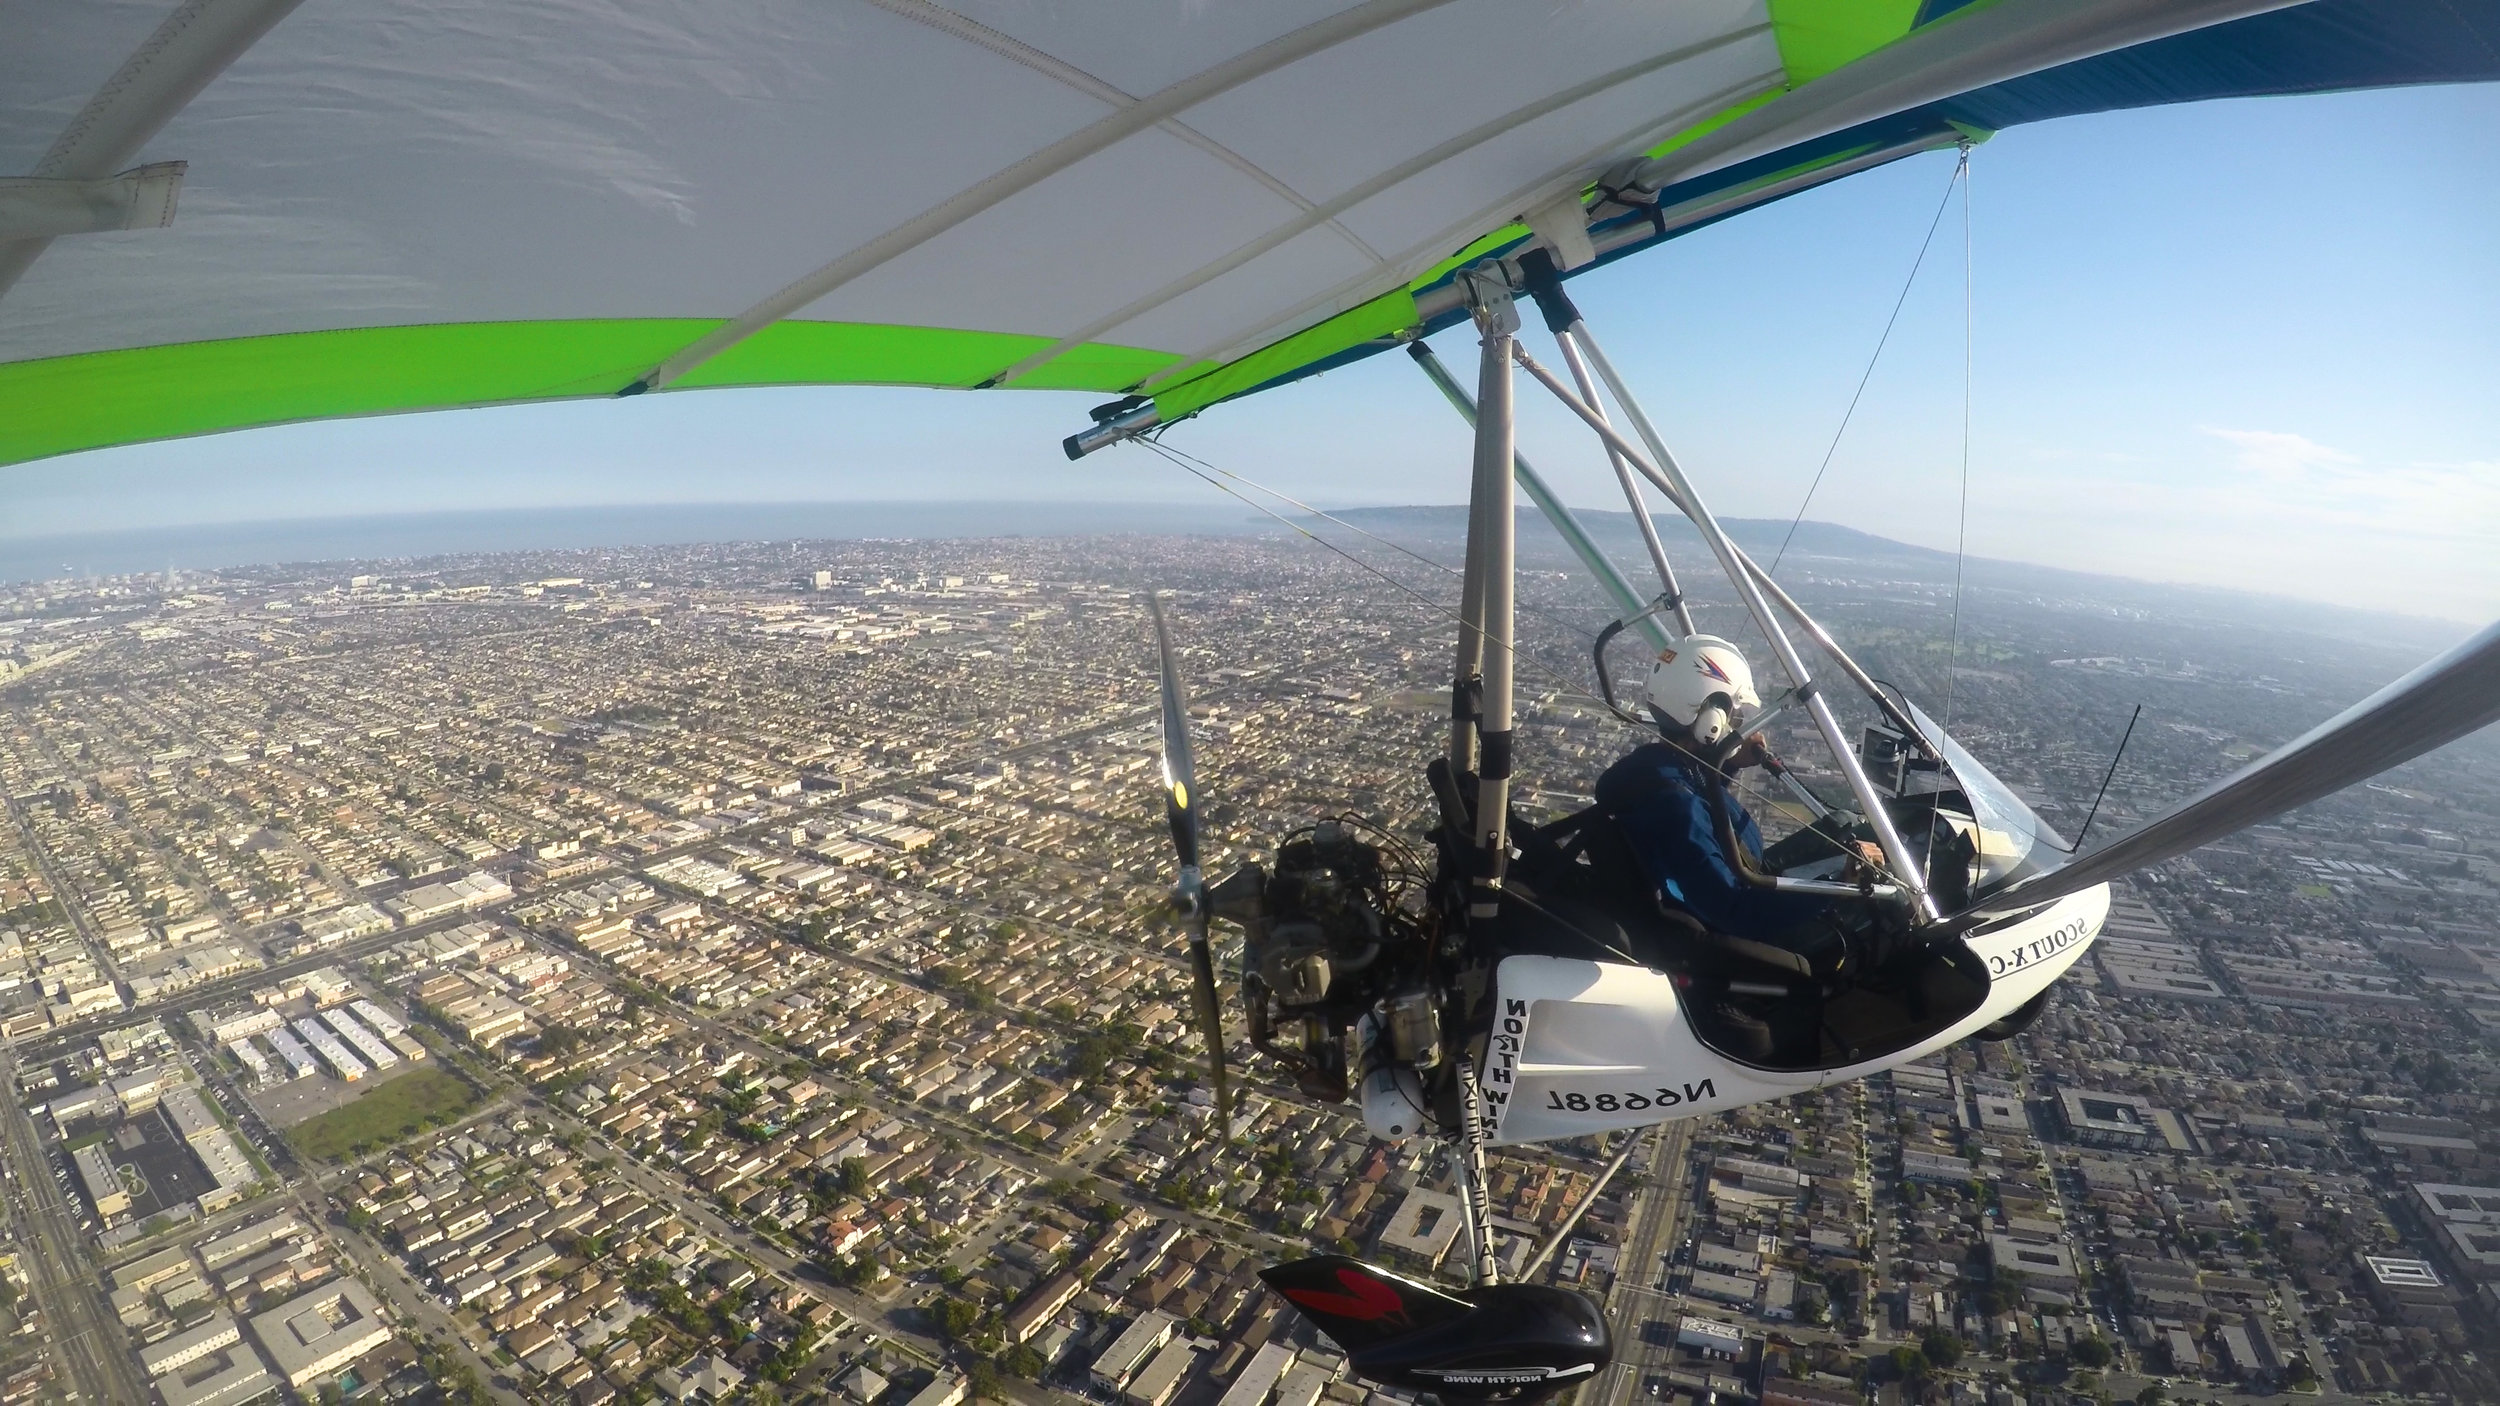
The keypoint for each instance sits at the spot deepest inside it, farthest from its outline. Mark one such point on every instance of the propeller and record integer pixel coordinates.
(2457, 693)
(1189, 892)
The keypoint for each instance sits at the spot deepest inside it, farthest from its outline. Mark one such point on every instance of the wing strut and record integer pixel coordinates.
(193, 45)
(1669, 477)
(1481, 686)
(2457, 693)
(1565, 522)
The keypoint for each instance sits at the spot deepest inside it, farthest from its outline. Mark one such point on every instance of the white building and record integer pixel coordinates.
(340, 924)
(1160, 1379)
(298, 1059)
(226, 1378)
(182, 1349)
(367, 1044)
(382, 1021)
(1259, 1376)
(226, 1027)
(314, 1335)
(1120, 1361)
(341, 1061)
(1710, 1336)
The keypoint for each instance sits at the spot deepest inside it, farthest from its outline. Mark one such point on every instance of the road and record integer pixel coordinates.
(1655, 1227)
(87, 1342)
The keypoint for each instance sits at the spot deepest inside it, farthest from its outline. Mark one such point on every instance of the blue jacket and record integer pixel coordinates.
(1657, 798)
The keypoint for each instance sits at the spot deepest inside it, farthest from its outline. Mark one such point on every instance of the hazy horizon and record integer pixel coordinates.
(371, 538)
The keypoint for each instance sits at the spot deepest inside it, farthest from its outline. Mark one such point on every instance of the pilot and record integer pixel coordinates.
(1672, 802)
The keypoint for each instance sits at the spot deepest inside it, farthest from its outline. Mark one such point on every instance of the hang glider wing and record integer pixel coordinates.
(414, 205)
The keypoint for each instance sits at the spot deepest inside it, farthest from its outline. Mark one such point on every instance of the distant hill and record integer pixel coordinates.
(1821, 548)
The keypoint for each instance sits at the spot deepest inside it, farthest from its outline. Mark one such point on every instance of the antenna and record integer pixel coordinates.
(2105, 779)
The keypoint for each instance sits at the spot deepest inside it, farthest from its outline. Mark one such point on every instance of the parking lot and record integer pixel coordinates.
(285, 1105)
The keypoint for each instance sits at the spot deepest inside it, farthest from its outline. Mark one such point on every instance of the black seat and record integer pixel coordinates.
(1584, 874)
(1793, 1004)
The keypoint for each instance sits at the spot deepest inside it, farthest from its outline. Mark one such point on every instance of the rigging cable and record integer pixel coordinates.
(1410, 592)
(1960, 169)
(2106, 778)
(1528, 606)
(1169, 452)
(1961, 531)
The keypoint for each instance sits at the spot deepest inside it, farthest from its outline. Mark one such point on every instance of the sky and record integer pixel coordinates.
(2251, 343)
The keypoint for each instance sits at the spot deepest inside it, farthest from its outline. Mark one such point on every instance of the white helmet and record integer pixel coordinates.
(1699, 682)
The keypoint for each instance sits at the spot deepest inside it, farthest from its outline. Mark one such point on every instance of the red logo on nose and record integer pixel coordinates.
(1366, 1300)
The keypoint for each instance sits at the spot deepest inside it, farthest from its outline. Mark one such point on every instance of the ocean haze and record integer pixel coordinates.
(390, 536)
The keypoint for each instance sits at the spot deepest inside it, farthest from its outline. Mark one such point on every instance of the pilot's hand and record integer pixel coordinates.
(1753, 751)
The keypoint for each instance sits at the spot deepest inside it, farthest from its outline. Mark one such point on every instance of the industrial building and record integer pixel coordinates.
(298, 1059)
(369, 1045)
(342, 1062)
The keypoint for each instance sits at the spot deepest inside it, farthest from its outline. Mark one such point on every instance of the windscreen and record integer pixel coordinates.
(2010, 837)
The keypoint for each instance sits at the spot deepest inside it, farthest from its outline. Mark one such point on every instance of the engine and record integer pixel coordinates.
(1337, 949)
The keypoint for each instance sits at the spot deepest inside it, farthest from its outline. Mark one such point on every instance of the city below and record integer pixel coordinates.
(743, 973)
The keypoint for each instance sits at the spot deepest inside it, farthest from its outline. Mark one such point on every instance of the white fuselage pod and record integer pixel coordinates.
(1583, 1047)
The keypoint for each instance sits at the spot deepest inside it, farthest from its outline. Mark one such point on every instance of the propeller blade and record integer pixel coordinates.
(1180, 808)
(1180, 769)
(2457, 693)
(1210, 1021)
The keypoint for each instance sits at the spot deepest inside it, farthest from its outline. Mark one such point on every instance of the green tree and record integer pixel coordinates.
(1909, 1363)
(955, 1318)
(1942, 1348)
(2090, 1352)
(2152, 1395)
(2005, 1291)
